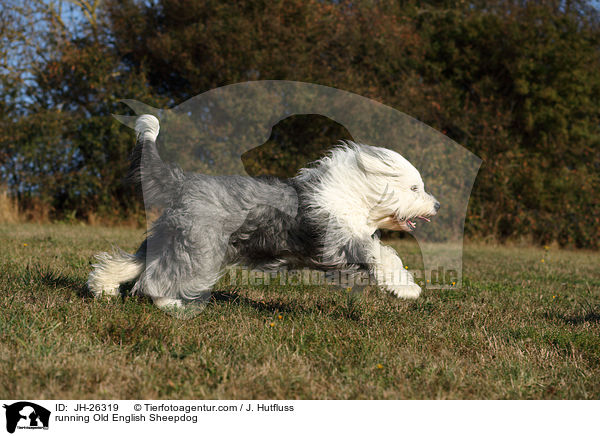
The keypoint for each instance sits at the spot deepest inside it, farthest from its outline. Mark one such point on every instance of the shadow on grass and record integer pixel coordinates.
(59, 281)
(350, 310)
(591, 315)
(236, 298)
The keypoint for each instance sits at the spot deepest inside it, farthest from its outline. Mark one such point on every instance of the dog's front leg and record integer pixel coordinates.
(390, 274)
(383, 264)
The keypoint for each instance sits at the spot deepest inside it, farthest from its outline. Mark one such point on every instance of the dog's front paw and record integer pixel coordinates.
(405, 291)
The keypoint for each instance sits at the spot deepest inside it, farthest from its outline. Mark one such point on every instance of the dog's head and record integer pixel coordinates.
(397, 195)
(356, 182)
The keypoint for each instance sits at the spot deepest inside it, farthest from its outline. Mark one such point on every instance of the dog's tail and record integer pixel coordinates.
(158, 179)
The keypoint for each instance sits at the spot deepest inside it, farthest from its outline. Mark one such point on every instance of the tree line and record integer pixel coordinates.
(515, 82)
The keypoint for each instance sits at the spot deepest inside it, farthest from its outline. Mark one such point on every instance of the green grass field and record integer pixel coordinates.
(519, 328)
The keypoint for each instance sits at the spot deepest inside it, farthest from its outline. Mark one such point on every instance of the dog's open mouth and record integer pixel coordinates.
(410, 224)
(392, 222)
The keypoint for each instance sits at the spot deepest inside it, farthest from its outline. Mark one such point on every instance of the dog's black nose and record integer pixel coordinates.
(437, 206)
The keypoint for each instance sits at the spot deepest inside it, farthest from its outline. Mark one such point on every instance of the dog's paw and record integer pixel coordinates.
(107, 292)
(168, 303)
(100, 289)
(178, 308)
(405, 291)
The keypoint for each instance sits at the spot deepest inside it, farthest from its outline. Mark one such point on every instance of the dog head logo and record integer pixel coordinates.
(398, 181)
(26, 415)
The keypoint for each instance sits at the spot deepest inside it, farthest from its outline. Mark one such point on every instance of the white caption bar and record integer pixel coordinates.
(22, 417)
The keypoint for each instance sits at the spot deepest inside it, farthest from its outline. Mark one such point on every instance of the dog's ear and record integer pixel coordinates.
(373, 161)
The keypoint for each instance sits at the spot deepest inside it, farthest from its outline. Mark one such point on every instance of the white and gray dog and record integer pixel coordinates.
(325, 218)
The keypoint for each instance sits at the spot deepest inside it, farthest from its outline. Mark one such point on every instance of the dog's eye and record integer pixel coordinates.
(414, 188)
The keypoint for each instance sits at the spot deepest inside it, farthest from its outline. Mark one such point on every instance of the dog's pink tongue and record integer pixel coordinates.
(425, 218)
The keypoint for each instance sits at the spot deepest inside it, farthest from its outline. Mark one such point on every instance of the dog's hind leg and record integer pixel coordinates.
(179, 278)
(184, 308)
(185, 297)
(112, 270)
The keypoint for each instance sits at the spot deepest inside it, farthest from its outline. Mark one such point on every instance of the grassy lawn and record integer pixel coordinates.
(519, 328)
